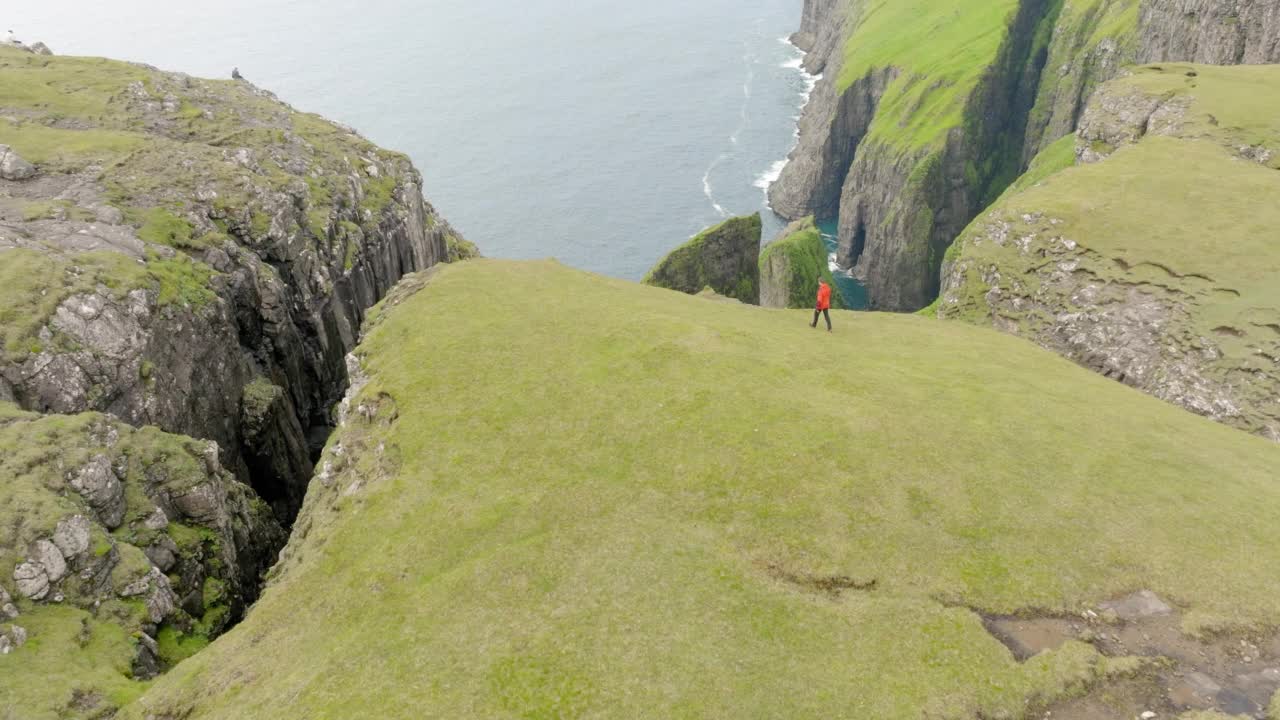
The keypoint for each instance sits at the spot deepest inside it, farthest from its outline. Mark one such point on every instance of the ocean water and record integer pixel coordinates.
(602, 133)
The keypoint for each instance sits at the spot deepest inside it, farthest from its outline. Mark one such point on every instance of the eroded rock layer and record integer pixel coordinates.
(193, 254)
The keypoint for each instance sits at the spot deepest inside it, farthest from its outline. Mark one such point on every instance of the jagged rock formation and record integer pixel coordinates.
(924, 115)
(110, 532)
(792, 265)
(1154, 261)
(724, 258)
(193, 254)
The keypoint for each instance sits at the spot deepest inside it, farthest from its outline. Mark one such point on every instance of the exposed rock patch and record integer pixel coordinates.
(1232, 673)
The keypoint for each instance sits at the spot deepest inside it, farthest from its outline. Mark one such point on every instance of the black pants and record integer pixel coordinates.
(824, 313)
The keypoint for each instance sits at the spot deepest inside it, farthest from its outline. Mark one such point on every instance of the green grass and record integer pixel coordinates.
(65, 150)
(1055, 158)
(803, 254)
(69, 650)
(558, 513)
(943, 49)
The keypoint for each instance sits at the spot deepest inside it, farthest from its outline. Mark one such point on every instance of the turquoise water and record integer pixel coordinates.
(599, 132)
(854, 294)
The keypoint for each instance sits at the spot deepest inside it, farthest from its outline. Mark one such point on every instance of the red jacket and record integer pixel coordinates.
(824, 296)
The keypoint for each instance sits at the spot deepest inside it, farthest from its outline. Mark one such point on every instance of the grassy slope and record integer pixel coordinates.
(613, 501)
(1186, 203)
(944, 48)
(806, 257)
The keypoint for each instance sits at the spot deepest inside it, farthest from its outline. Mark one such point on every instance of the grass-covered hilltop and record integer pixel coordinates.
(276, 443)
(663, 508)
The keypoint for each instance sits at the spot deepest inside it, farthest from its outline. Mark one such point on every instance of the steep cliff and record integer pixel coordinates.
(724, 258)
(664, 507)
(1155, 260)
(1219, 32)
(123, 551)
(928, 110)
(193, 254)
(182, 256)
(792, 265)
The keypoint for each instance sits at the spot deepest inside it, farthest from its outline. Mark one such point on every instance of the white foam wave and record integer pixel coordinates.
(706, 187)
(794, 63)
(770, 176)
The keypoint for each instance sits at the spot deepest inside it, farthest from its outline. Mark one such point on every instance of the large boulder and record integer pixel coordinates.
(13, 167)
(724, 258)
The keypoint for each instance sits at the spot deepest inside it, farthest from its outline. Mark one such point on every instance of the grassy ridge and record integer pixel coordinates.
(649, 509)
(1182, 213)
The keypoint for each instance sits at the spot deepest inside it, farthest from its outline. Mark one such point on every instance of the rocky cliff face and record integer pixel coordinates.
(1165, 284)
(1219, 32)
(195, 255)
(191, 256)
(724, 258)
(906, 141)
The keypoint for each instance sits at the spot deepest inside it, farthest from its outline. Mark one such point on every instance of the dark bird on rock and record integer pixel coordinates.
(235, 74)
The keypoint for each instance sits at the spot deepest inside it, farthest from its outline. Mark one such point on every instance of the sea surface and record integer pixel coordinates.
(602, 133)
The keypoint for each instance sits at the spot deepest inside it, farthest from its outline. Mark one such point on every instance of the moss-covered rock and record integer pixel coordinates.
(1154, 261)
(724, 258)
(109, 537)
(792, 265)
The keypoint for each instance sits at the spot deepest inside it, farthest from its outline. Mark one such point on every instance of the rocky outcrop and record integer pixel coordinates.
(724, 258)
(792, 265)
(1134, 280)
(235, 241)
(143, 529)
(1218, 32)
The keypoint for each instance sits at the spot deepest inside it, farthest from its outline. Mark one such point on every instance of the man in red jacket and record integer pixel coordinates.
(824, 305)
